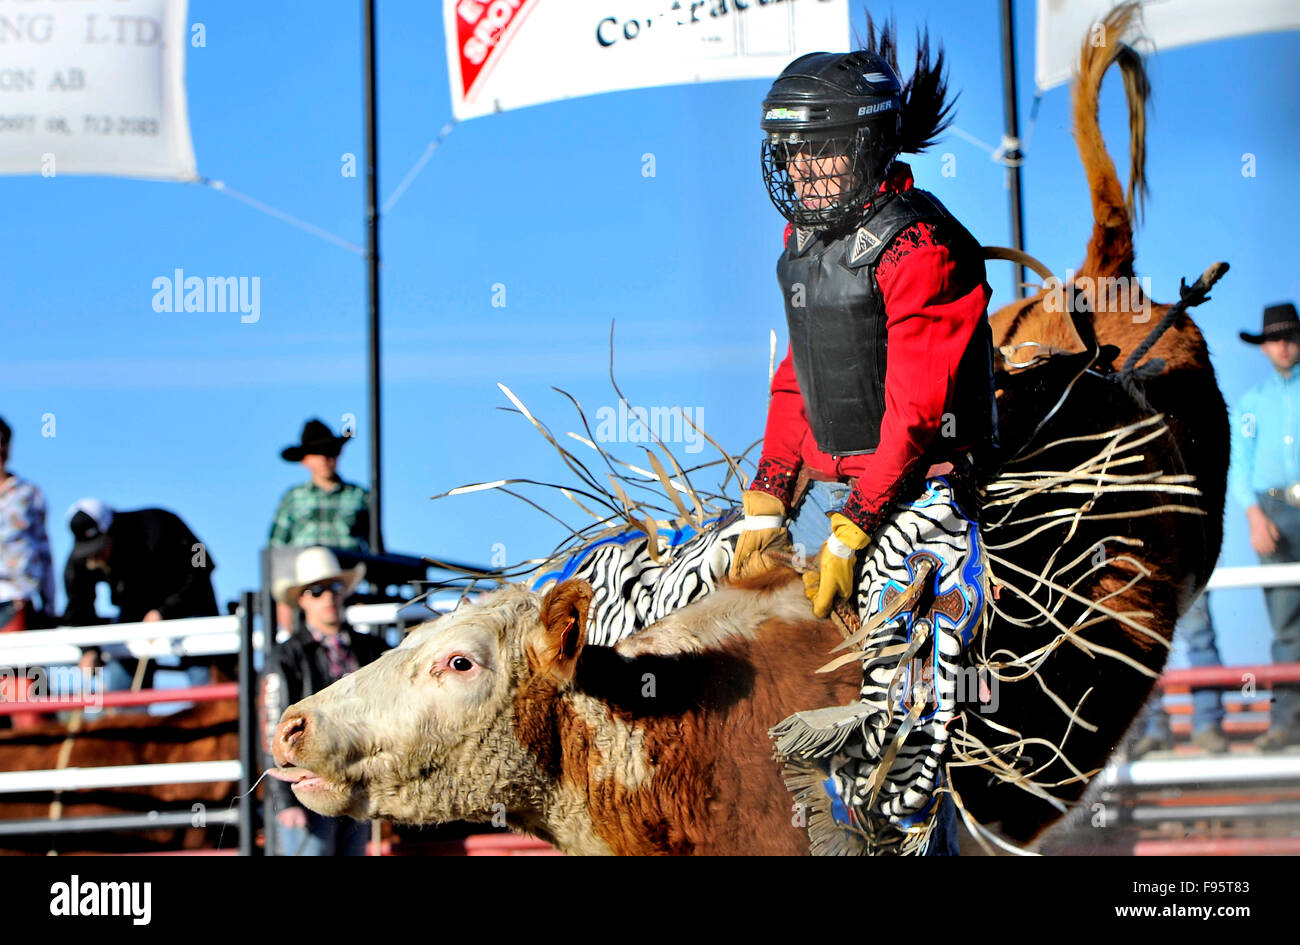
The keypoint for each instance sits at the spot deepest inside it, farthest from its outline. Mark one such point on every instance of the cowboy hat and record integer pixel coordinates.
(317, 439)
(316, 566)
(1279, 322)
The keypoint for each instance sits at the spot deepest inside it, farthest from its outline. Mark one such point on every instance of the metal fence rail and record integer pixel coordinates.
(119, 776)
(1212, 770)
(183, 636)
(104, 822)
(1254, 575)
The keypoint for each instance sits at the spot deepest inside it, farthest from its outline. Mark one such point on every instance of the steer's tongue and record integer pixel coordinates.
(291, 775)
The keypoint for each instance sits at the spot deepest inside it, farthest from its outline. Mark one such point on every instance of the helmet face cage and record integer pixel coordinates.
(820, 181)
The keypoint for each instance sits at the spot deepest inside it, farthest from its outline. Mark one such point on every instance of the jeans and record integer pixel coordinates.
(323, 836)
(810, 525)
(1195, 635)
(118, 676)
(1284, 610)
(943, 838)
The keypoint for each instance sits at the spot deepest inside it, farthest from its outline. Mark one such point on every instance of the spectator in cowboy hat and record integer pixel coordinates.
(1265, 480)
(325, 510)
(319, 652)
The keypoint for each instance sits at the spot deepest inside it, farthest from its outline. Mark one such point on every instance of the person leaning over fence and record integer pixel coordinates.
(26, 570)
(1265, 480)
(155, 568)
(320, 651)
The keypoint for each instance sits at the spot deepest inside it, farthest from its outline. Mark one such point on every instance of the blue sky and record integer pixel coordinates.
(189, 411)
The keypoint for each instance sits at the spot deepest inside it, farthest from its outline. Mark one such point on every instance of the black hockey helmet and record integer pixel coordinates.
(831, 125)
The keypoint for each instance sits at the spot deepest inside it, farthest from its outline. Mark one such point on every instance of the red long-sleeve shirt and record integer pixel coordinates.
(933, 304)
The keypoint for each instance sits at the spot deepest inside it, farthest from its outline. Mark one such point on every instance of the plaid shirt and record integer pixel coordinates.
(308, 515)
(25, 566)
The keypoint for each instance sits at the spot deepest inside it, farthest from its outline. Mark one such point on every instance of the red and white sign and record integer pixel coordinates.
(506, 54)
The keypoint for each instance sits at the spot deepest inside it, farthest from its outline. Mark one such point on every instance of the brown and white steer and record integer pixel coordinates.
(657, 745)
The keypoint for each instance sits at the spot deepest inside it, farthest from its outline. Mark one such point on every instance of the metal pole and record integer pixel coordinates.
(248, 735)
(372, 262)
(270, 840)
(1012, 142)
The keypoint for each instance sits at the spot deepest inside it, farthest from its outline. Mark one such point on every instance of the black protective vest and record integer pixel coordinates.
(838, 337)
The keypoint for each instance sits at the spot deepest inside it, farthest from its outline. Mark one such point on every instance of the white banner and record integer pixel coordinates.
(1064, 24)
(94, 87)
(510, 53)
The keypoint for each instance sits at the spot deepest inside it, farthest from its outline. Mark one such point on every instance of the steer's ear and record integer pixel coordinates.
(564, 627)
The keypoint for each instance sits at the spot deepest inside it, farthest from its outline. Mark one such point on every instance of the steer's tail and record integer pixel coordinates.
(1110, 249)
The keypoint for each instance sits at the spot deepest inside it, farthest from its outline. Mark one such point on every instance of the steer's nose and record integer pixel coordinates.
(289, 737)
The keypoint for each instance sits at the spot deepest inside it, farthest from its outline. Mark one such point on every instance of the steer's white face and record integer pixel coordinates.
(424, 733)
(453, 668)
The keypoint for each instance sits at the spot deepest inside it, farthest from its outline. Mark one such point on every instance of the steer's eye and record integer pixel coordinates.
(461, 664)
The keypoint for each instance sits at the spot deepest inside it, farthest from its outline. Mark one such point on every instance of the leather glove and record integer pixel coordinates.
(836, 563)
(764, 529)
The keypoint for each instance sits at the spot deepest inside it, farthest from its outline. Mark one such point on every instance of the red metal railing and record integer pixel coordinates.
(106, 700)
(1228, 677)
(486, 844)
(1226, 846)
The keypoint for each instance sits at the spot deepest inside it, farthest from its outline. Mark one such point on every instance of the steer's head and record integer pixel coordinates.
(429, 732)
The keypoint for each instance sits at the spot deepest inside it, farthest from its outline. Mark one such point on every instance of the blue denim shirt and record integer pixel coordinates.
(1266, 437)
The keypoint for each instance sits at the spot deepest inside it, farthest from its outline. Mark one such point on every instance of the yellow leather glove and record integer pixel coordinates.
(836, 562)
(764, 530)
